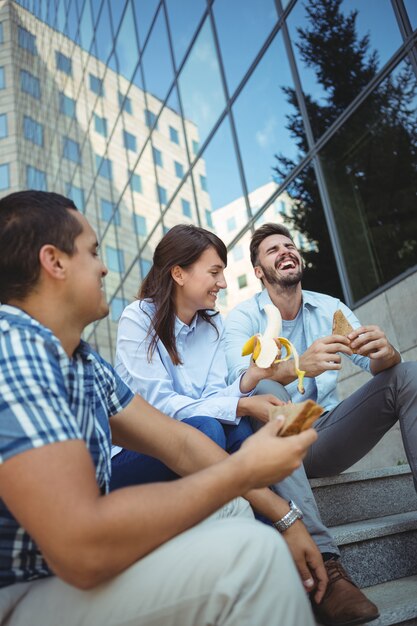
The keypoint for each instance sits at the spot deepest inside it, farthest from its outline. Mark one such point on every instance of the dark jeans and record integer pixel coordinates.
(132, 468)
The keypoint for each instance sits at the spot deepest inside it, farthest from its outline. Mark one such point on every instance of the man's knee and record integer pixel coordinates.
(272, 387)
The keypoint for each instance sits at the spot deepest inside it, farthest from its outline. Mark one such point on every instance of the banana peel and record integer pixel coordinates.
(265, 348)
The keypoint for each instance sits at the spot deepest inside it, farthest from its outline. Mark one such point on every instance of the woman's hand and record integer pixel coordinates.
(258, 407)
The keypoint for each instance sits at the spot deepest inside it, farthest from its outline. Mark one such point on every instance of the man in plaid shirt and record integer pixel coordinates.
(70, 553)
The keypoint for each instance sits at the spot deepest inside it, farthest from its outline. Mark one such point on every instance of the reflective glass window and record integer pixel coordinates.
(100, 125)
(30, 84)
(96, 85)
(129, 141)
(126, 47)
(71, 150)
(103, 34)
(156, 60)
(3, 125)
(4, 176)
(115, 259)
(35, 178)
(231, 224)
(209, 218)
(370, 34)
(179, 169)
(32, 130)
(370, 167)
(135, 182)
(150, 119)
(411, 7)
(173, 135)
(186, 208)
(253, 21)
(1, 33)
(26, 40)
(242, 281)
(104, 167)
(200, 85)
(139, 225)
(2, 78)
(67, 105)
(63, 63)
(162, 194)
(117, 306)
(157, 156)
(237, 253)
(145, 265)
(76, 194)
(125, 103)
(183, 18)
(203, 182)
(108, 213)
(195, 147)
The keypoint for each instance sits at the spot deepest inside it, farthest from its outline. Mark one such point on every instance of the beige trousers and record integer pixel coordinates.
(229, 570)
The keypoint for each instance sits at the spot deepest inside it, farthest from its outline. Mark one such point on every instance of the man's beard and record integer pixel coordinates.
(271, 276)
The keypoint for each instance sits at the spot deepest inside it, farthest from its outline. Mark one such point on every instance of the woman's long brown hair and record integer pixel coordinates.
(182, 245)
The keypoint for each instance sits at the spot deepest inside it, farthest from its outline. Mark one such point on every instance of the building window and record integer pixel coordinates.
(242, 281)
(4, 176)
(125, 103)
(186, 208)
(157, 156)
(96, 85)
(203, 182)
(150, 119)
(135, 182)
(35, 179)
(209, 219)
(77, 195)
(1, 33)
(3, 126)
(100, 125)
(33, 131)
(237, 253)
(104, 167)
(30, 84)
(108, 213)
(173, 135)
(116, 308)
(26, 40)
(63, 63)
(162, 194)
(2, 78)
(115, 259)
(71, 150)
(231, 224)
(66, 106)
(145, 265)
(179, 169)
(195, 146)
(129, 141)
(139, 225)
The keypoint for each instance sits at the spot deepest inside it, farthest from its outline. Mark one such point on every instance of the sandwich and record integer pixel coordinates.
(341, 326)
(298, 416)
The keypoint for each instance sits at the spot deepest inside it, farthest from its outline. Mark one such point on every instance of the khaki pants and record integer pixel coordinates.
(229, 570)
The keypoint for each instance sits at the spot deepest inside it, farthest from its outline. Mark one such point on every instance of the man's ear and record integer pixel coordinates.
(52, 261)
(177, 275)
(258, 272)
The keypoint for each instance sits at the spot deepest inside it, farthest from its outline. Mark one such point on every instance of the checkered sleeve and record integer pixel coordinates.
(117, 393)
(34, 408)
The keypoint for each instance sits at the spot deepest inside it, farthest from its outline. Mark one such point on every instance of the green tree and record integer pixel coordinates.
(370, 165)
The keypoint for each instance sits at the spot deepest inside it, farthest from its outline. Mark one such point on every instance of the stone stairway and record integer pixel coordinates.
(373, 518)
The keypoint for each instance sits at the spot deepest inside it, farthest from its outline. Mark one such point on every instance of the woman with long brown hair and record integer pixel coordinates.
(170, 349)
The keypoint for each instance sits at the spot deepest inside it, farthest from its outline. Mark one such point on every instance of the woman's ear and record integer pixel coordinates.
(177, 275)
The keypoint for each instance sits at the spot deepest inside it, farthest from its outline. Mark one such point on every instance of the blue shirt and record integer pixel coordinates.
(249, 318)
(293, 330)
(198, 386)
(48, 397)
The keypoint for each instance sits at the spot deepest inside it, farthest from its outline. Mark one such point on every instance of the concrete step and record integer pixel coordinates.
(378, 550)
(397, 602)
(355, 496)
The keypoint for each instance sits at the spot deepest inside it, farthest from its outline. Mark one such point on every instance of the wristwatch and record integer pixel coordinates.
(288, 520)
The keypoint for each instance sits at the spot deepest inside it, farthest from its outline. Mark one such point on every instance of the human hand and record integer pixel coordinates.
(323, 355)
(307, 558)
(255, 374)
(372, 342)
(267, 458)
(258, 406)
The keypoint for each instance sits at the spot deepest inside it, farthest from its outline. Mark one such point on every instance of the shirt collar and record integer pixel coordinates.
(309, 299)
(182, 327)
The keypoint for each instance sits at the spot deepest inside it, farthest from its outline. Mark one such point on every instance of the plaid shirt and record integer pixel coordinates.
(45, 397)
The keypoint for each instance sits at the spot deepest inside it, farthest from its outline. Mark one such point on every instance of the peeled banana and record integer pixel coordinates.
(264, 347)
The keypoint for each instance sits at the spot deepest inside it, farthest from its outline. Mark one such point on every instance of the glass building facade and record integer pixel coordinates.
(221, 113)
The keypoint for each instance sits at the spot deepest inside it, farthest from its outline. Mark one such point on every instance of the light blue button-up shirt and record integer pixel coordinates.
(249, 318)
(198, 386)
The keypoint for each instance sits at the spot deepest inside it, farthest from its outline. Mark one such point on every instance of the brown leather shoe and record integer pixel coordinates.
(343, 603)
